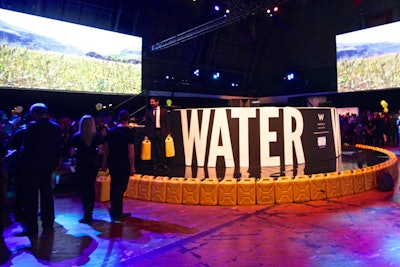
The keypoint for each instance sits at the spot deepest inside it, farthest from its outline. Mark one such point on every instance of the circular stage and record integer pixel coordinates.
(359, 171)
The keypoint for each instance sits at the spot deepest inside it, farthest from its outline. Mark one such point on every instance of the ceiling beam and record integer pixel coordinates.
(238, 11)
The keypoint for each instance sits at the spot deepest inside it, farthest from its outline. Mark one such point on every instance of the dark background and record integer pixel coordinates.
(256, 51)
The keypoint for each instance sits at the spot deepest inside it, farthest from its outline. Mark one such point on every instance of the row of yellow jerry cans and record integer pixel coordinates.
(250, 191)
(247, 191)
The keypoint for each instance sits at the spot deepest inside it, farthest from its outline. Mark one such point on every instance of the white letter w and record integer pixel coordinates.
(195, 137)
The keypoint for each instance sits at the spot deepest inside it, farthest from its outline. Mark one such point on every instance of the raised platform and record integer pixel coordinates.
(258, 191)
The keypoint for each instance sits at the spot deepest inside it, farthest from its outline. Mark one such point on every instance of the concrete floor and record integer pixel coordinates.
(356, 230)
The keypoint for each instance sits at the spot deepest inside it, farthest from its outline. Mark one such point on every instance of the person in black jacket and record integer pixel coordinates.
(39, 155)
(17, 172)
(86, 147)
(119, 155)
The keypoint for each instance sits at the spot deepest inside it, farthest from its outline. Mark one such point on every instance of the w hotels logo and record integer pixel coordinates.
(321, 117)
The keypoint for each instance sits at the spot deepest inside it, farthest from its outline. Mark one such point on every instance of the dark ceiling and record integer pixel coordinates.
(255, 52)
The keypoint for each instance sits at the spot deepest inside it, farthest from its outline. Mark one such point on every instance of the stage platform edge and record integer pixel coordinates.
(267, 190)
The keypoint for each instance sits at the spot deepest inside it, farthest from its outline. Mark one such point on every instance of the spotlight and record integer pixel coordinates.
(289, 76)
(196, 72)
(271, 11)
(217, 8)
(216, 75)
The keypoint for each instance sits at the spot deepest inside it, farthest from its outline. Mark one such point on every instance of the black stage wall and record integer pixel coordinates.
(265, 136)
(77, 104)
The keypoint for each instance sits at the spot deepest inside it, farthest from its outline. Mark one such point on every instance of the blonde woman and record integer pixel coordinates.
(85, 146)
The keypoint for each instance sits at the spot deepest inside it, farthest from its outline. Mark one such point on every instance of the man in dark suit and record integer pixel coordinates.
(39, 155)
(157, 128)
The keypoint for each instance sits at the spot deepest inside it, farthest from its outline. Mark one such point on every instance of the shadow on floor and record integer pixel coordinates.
(130, 229)
(57, 245)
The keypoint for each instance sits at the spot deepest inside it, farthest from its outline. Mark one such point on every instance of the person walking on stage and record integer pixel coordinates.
(157, 128)
(40, 151)
(119, 155)
(86, 147)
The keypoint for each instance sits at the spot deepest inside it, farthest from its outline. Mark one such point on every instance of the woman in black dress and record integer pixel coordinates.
(86, 147)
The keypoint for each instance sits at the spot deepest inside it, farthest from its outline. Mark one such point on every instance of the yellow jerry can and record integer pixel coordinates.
(146, 149)
(169, 147)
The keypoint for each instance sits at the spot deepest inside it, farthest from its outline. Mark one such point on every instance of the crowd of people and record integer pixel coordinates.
(38, 143)
(378, 129)
(34, 145)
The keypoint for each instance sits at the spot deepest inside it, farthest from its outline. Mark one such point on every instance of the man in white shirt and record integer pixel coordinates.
(157, 128)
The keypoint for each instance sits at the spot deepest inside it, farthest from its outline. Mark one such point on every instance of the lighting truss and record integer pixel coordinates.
(239, 10)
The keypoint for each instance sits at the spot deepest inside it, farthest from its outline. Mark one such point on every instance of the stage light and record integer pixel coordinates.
(290, 76)
(217, 8)
(271, 11)
(196, 72)
(227, 11)
(233, 84)
(216, 75)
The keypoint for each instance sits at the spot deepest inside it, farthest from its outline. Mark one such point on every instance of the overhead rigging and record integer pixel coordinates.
(238, 10)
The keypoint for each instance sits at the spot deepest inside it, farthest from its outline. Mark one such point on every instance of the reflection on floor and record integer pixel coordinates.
(356, 230)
